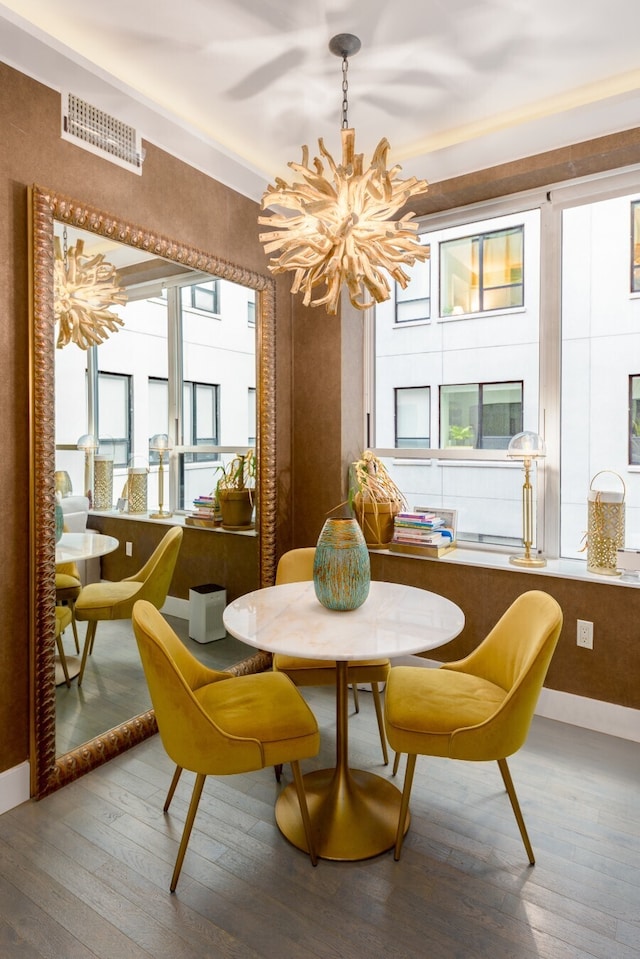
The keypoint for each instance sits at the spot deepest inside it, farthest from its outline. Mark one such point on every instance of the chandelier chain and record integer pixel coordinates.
(345, 93)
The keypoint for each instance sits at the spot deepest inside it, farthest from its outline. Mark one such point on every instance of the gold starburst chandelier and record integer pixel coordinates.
(85, 288)
(343, 228)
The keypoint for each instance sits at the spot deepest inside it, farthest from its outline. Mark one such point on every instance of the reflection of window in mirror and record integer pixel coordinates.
(182, 363)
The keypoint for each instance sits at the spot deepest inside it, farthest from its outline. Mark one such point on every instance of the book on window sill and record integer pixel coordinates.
(417, 550)
(204, 522)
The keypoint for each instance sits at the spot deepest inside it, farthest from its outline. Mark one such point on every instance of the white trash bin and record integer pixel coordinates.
(206, 605)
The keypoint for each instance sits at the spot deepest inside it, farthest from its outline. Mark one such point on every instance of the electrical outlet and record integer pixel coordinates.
(128, 549)
(585, 634)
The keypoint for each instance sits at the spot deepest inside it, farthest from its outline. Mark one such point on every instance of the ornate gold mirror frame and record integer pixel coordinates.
(49, 772)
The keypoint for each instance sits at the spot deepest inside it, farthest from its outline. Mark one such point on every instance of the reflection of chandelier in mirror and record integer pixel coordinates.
(85, 287)
(340, 230)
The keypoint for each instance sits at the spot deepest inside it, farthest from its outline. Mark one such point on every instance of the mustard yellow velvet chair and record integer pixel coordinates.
(100, 601)
(68, 587)
(215, 724)
(480, 707)
(296, 566)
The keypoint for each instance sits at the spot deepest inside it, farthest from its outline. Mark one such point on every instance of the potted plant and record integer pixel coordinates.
(376, 499)
(459, 435)
(235, 490)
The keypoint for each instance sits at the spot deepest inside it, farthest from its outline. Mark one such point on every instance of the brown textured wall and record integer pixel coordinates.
(609, 672)
(170, 198)
(206, 556)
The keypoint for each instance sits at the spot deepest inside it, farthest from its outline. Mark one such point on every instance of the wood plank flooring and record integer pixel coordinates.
(85, 872)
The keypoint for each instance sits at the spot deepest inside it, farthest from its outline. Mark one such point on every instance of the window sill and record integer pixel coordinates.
(176, 519)
(574, 569)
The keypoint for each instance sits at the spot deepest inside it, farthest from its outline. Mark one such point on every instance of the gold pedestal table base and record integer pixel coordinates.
(354, 814)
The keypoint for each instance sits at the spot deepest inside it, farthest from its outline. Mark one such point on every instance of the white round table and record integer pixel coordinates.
(354, 813)
(74, 547)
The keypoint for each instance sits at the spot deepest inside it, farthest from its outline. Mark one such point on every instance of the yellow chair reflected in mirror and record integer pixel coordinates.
(68, 587)
(478, 708)
(63, 618)
(109, 601)
(296, 566)
(214, 724)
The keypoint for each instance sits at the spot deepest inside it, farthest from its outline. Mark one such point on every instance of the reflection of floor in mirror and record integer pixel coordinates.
(113, 687)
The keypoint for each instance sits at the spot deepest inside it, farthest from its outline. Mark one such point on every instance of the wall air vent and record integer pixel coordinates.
(96, 131)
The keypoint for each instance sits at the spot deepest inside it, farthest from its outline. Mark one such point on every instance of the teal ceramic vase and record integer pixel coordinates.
(341, 568)
(59, 521)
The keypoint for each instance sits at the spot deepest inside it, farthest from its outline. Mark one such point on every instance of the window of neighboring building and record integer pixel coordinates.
(482, 273)
(412, 404)
(251, 405)
(114, 403)
(251, 308)
(205, 296)
(634, 420)
(480, 415)
(200, 416)
(635, 247)
(414, 302)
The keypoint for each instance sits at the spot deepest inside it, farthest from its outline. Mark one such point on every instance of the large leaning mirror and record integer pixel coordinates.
(58, 222)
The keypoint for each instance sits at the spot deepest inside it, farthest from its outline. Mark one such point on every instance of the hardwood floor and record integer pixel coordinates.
(85, 872)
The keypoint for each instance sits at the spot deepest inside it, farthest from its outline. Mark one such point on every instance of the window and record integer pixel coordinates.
(251, 308)
(634, 420)
(200, 417)
(483, 272)
(252, 426)
(412, 417)
(635, 247)
(414, 302)
(205, 296)
(483, 416)
(114, 429)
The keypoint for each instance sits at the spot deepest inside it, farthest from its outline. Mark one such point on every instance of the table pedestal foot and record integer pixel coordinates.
(354, 814)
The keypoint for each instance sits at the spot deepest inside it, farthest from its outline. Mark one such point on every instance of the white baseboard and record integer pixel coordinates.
(609, 718)
(14, 787)
(176, 607)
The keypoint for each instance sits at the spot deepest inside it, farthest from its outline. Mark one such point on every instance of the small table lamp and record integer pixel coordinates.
(160, 444)
(527, 446)
(89, 444)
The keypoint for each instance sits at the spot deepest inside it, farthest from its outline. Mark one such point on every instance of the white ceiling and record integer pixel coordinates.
(235, 87)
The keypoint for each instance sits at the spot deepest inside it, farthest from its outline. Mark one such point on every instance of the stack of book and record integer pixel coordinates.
(205, 513)
(423, 534)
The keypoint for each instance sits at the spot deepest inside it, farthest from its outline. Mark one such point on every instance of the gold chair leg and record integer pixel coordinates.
(515, 805)
(172, 788)
(304, 811)
(356, 699)
(74, 625)
(278, 771)
(377, 702)
(186, 833)
(396, 763)
(63, 659)
(404, 804)
(88, 643)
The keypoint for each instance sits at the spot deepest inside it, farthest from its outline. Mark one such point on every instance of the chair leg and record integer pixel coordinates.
(404, 804)
(356, 700)
(63, 659)
(515, 805)
(186, 833)
(88, 643)
(172, 788)
(304, 811)
(396, 763)
(74, 625)
(377, 702)
(278, 771)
